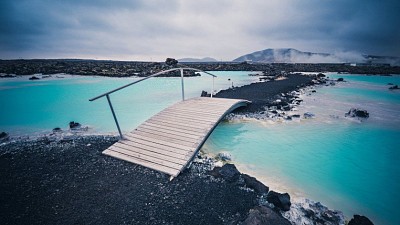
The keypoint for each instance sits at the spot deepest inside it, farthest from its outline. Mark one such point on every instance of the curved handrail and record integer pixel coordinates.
(150, 76)
(107, 94)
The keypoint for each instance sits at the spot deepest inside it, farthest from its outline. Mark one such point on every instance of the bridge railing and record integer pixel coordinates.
(107, 94)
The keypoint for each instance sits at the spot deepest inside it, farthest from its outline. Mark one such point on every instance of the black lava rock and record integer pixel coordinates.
(395, 87)
(340, 79)
(353, 112)
(264, 215)
(204, 94)
(281, 201)
(360, 220)
(171, 61)
(253, 183)
(229, 172)
(57, 129)
(4, 136)
(34, 78)
(74, 125)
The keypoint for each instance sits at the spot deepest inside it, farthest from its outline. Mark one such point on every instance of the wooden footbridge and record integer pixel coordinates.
(168, 141)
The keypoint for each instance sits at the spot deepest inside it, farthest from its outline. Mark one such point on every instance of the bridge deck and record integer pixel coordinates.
(169, 140)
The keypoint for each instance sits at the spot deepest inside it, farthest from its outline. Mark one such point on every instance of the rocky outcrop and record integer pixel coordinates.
(360, 220)
(361, 113)
(171, 62)
(281, 201)
(34, 78)
(4, 137)
(57, 129)
(74, 125)
(228, 171)
(263, 215)
(254, 184)
(204, 94)
(310, 212)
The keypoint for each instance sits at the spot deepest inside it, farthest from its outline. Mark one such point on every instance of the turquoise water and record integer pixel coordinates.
(35, 107)
(344, 163)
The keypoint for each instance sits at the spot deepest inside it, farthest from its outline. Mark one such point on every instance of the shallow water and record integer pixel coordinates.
(36, 107)
(344, 163)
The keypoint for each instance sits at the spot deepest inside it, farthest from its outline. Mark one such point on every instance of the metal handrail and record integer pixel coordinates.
(145, 78)
(150, 76)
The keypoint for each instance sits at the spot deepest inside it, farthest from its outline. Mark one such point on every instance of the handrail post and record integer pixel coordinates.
(183, 90)
(212, 90)
(115, 118)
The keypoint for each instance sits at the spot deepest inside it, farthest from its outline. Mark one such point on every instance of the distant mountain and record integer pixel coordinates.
(290, 55)
(206, 59)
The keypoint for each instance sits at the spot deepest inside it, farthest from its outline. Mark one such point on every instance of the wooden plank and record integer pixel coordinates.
(179, 122)
(181, 127)
(168, 139)
(194, 111)
(186, 120)
(169, 128)
(187, 116)
(135, 136)
(157, 148)
(192, 115)
(168, 131)
(151, 165)
(172, 136)
(150, 152)
(145, 157)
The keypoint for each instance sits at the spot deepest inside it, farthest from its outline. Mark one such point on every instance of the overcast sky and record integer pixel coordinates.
(225, 30)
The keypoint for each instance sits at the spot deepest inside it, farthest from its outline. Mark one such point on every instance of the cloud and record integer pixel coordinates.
(153, 30)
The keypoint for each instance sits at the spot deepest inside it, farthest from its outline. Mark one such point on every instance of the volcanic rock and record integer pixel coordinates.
(254, 184)
(263, 215)
(360, 220)
(281, 201)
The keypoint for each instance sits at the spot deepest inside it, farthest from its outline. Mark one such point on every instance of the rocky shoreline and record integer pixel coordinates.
(69, 181)
(64, 179)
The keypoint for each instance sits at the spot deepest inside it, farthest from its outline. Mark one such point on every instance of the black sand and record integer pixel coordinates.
(261, 94)
(73, 183)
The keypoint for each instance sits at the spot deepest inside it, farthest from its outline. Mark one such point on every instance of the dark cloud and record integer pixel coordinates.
(127, 29)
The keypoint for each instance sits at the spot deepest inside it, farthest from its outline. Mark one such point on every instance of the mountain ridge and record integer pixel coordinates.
(291, 55)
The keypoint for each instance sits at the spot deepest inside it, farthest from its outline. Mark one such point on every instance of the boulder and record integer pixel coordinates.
(321, 75)
(171, 61)
(74, 125)
(395, 87)
(224, 156)
(57, 129)
(204, 94)
(34, 78)
(360, 220)
(281, 201)
(263, 215)
(229, 172)
(4, 137)
(340, 79)
(361, 113)
(254, 184)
